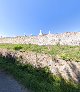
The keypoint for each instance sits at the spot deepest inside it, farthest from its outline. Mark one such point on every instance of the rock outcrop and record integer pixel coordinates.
(69, 70)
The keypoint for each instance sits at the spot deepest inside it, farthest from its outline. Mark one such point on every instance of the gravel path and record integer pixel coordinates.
(8, 84)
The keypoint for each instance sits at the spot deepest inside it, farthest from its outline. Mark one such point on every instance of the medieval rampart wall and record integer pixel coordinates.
(68, 38)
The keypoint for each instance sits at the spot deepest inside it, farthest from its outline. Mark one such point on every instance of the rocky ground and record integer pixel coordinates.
(67, 69)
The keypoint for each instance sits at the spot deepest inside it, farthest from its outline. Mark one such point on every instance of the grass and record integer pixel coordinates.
(36, 79)
(71, 53)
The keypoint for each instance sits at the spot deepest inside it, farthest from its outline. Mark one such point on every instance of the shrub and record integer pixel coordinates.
(17, 47)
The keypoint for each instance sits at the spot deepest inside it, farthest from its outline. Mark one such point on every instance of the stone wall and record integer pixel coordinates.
(69, 70)
(68, 38)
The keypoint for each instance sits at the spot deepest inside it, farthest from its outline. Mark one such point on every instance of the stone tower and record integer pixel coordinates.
(49, 32)
(40, 32)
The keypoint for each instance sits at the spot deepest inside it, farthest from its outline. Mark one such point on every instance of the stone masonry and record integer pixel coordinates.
(67, 38)
(69, 70)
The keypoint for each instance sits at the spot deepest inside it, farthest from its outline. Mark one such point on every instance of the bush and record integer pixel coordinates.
(17, 47)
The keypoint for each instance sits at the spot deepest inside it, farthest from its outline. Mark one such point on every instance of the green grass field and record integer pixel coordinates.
(71, 53)
(36, 79)
(40, 80)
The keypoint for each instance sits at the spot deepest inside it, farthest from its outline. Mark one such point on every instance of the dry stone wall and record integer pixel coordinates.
(68, 38)
(69, 70)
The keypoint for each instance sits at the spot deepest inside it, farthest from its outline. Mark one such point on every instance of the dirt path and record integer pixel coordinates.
(8, 84)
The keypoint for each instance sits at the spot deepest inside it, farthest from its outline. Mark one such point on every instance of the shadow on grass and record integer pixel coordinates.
(36, 79)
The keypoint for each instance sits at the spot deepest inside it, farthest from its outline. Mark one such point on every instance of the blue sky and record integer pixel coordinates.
(29, 16)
